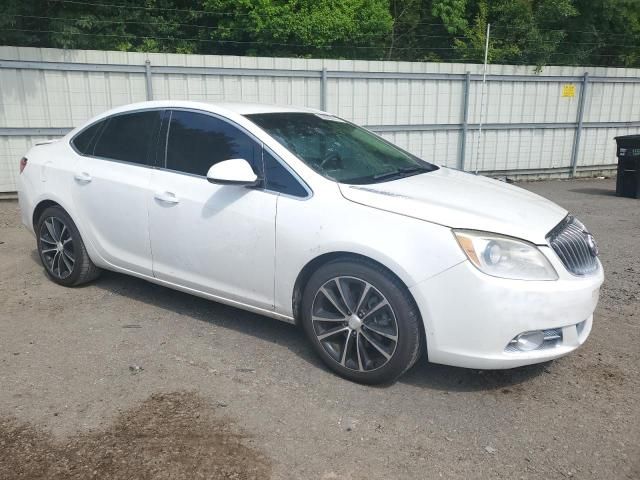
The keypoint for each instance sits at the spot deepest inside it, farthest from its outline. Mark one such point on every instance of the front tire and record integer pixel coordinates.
(61, 249)
(361, 321)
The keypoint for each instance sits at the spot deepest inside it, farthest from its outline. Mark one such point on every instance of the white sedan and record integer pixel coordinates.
(299, 215)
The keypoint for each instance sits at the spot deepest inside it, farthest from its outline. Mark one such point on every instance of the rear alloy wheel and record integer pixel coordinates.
(61, 249)
(56, 248)
(361, 321)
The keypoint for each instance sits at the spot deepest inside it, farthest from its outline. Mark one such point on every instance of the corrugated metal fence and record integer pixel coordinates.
(559, 121)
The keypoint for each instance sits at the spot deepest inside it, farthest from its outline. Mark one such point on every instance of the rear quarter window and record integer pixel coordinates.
(83, 141)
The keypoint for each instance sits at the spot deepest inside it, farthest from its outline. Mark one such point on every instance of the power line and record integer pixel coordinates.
(221, 13)
(206, 40)
(366, 34)
(164, 9)
(170, 23)
(305, 45)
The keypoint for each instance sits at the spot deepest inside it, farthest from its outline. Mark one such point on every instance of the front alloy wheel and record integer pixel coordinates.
(354, 323)
(361, 320)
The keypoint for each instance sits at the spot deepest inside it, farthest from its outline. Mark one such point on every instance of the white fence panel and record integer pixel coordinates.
(530, 122)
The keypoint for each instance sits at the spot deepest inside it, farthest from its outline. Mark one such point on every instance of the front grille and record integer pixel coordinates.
(575, 246)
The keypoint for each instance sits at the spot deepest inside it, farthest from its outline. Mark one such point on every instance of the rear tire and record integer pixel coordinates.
(361, 321)
(61, 249)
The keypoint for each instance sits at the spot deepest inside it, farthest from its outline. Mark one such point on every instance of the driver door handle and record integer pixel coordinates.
(166, 197)
(82, 177)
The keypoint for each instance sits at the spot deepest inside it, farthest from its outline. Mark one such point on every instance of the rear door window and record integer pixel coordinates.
(128, 137)
(197, 141)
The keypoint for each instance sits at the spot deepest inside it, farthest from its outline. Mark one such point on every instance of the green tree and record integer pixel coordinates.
(607, 32)
(539, 32)
(318, 28)
(523, 31)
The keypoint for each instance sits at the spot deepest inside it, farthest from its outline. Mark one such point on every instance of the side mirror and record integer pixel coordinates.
(236, 171)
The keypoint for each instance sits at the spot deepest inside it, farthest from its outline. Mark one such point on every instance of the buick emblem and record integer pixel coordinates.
(593, 246)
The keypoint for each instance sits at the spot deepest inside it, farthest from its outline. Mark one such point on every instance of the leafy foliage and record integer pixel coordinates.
(539, 32)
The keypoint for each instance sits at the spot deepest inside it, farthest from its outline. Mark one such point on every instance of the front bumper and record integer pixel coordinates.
(471, 317)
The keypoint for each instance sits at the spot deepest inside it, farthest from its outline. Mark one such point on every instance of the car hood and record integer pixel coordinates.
(462, 200)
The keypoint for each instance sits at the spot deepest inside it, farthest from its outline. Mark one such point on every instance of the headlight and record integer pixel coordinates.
(505, 257)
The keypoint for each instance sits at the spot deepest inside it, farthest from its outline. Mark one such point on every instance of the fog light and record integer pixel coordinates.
(529, 340)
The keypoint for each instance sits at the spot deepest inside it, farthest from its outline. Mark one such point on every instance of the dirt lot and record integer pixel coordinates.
(125, 379)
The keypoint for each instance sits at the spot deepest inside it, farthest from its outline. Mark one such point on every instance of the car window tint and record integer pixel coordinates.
(279, 179)
(128, 137)
(198, 141)
(83, 141)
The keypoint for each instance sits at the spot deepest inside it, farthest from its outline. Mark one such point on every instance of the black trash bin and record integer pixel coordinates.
(628, 152)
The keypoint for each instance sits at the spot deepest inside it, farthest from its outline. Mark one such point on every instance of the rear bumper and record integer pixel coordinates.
(470, 317)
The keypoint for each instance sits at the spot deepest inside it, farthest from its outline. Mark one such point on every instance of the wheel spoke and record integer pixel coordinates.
(64, 229)
(332, 332)
(367, 287)
(382, 303)
(47, 250)
(54, 260)
(358, 352)
(67, 240)
(342, 295)
(55, 222)
(333, 301)
(375, 345)
(52, 231)
(70, 257)
(66, 263)
(50, 242)
(381, 333)
(315, 318)
(345, 349)
(60, 264)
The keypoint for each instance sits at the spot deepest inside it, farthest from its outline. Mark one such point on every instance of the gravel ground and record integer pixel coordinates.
(125, 379)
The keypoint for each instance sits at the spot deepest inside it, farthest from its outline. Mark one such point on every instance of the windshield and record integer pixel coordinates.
(340, 150)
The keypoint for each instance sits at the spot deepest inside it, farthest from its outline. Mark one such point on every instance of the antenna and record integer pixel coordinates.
(484, 82)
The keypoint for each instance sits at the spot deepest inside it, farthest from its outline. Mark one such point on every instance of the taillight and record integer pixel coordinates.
(23, 164)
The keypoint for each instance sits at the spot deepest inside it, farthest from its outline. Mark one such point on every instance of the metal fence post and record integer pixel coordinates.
(323, 90)
(465, 121)
(147, 75)
(576, 138)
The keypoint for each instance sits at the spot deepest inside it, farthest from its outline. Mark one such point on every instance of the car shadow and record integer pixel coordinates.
(455, 379)
(423, 374)
(607, 192)
(211, 312)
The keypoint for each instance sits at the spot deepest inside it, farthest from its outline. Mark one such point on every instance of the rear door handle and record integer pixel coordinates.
(82, 177)
(166, 197)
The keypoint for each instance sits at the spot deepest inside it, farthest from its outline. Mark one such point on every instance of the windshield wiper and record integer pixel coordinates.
(400, 172)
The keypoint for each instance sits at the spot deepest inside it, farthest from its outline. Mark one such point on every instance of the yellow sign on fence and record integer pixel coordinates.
(568, 90)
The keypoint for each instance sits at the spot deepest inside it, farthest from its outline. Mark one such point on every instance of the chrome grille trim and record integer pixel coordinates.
(570, 240)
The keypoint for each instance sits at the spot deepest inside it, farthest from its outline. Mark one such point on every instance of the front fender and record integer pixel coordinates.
(414, 250)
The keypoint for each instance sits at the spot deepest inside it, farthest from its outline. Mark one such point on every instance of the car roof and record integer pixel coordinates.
(238, 108)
